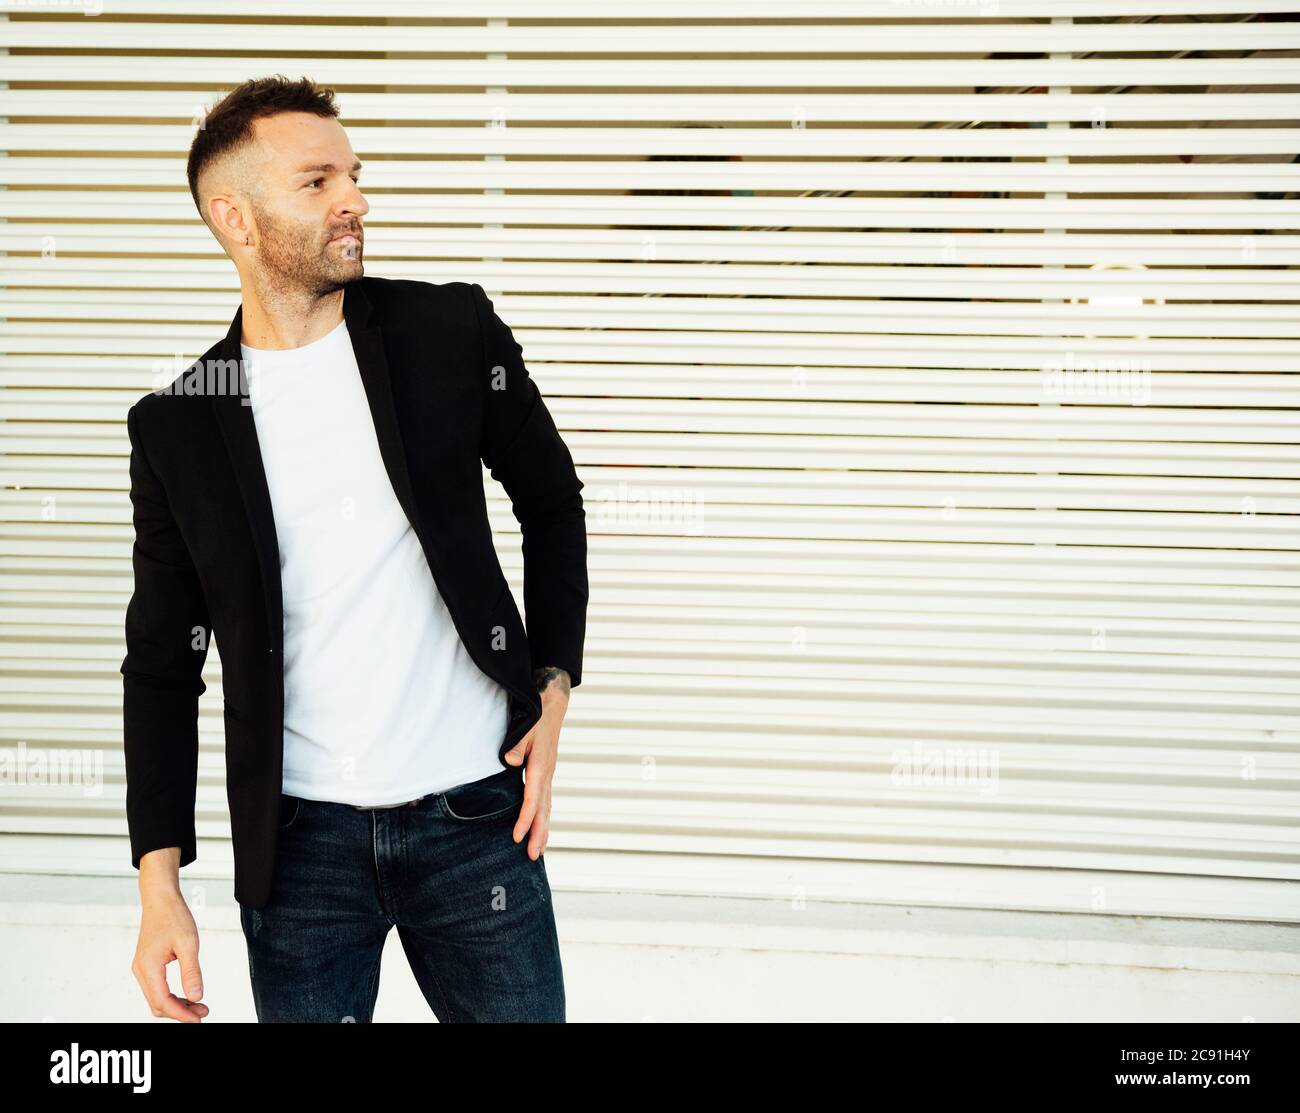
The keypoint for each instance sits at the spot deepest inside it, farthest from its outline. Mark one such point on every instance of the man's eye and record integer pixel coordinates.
(315, 180)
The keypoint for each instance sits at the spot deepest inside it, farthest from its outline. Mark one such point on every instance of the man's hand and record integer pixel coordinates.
(167, 933)
(540, 748)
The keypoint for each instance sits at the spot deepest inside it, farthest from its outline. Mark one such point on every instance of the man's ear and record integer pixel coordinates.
(226, 221)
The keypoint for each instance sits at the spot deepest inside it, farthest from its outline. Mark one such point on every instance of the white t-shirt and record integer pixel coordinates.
(382, 702)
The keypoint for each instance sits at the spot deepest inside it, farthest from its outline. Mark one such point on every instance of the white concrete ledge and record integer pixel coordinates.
(636, 957)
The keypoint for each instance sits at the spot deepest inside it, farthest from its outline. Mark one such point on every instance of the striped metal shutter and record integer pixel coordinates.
(930, 366)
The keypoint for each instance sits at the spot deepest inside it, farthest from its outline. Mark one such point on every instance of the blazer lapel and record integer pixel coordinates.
(368, 345)
(234, 416)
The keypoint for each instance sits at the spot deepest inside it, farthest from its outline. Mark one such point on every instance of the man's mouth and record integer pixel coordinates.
(346, 238)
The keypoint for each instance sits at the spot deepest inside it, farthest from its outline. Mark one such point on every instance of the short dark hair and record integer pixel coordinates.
(229, 123)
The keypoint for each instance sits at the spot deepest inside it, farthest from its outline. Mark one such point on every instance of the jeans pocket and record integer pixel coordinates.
(290, 809)
(494, 797)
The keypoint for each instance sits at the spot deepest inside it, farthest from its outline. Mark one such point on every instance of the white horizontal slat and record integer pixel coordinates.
(681, 9)
(1122, 421)
(812, 108)
(1025, 573)
(663, 279)
(1034, 615)
(759, 315)
(1174, 177)
(823, 72)
(636, 666)
(920, 38)
(1006, 248)
(775, 142)
(818, 383)
(802, 450)
(1049, 367)
(401, 209)
(832, 695)
(89, 489)
(965, 523)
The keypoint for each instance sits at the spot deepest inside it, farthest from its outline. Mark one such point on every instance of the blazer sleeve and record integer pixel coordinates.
(523, 450)
(167, 635)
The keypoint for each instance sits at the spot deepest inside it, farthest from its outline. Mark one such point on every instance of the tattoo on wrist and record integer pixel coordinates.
(551, 677)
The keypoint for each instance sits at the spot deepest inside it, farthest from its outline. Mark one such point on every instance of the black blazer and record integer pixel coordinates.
(448, 392)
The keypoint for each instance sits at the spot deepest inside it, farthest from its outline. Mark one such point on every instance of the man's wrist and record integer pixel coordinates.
(552, 682)
(161, 866)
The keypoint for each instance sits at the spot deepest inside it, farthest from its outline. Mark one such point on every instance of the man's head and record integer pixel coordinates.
(275, 179)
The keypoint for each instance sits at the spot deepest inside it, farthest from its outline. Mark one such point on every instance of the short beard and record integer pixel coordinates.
(291, 260)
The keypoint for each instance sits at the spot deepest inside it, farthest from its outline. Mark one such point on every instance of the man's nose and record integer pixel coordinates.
(355, 202)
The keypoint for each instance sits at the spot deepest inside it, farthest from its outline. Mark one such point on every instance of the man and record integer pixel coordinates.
(324, 518)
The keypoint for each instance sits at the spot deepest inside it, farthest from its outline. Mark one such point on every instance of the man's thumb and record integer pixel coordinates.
(191, 977)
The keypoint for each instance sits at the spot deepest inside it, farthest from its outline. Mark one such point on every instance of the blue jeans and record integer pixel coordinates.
(472, 909)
